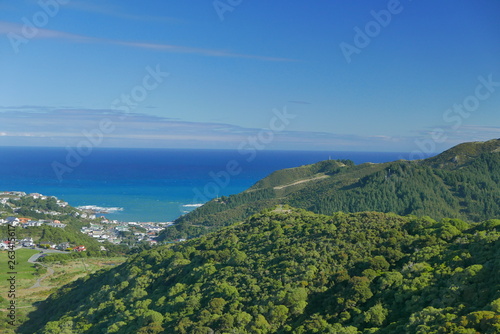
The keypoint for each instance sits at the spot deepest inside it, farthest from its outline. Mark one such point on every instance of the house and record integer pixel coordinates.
(16, 193)
(80, 249)
(14, 221)
(97, 234)
(56, 223)
(47, 244)
(33, 223)
(24, 220)
(63, 246)
(27, 242)
(122, 229)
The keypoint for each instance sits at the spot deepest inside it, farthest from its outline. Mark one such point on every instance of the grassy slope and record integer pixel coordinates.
(26, 296)
(25, 271)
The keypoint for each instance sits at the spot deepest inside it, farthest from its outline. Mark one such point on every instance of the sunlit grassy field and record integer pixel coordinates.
(25, 270)
(51, 278)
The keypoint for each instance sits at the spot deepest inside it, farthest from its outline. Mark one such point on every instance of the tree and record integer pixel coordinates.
(376, 315)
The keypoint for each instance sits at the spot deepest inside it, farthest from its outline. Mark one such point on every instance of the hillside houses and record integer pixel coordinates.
(27, 222)
(13, 221)
(47, 244)
(59, 202)
(115, 232)
(56, 223)
(27, 242)
(80, 249)
(52, 212)
(85, 215)
(10, 199)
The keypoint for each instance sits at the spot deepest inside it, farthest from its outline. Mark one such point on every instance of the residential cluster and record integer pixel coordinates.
(27, 222)
(30, 243)
(5, 196)
(116, 232)
(99, 227)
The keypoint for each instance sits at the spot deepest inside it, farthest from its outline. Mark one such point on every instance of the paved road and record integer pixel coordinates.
(43, 251)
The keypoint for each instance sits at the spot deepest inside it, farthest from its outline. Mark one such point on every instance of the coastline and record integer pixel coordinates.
(155, 185)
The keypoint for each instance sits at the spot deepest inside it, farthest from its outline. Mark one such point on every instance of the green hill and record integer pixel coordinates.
(463, 153)
(291, 271)
(463, 182)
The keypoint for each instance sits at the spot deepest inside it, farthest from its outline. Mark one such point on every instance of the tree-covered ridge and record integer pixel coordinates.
(462, 154)
(471, 192)
(468, 188)
(291, 271)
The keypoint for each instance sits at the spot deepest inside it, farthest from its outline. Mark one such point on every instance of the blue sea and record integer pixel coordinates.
(150, 185)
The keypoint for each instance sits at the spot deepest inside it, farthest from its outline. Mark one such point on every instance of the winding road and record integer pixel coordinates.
(50, 271)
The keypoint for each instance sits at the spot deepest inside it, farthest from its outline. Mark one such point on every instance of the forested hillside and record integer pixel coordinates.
(291, 271)
(463, 182)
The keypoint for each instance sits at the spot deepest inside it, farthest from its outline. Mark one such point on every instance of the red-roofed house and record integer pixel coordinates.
(80, 249)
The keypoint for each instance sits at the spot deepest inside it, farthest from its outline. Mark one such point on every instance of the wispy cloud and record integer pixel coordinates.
(48, 126)
(299, 102)
(7, 28)
(115, 11)
(66, 127)
(464, 133)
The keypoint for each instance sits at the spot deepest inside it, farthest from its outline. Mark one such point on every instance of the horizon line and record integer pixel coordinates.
(201, 149)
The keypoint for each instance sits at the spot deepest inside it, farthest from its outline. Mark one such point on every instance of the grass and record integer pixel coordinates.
(25, 270)
(26, 295)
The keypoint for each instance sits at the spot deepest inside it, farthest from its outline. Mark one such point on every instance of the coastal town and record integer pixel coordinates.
(18, 209)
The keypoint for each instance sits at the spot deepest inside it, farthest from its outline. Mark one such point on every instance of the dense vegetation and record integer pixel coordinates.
(463, 183)
(291, 271)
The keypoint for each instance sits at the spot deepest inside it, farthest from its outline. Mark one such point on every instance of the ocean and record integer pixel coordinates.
(150, 185)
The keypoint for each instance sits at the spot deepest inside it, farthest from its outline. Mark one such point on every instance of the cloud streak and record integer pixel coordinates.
(49, 126)
(66, 127)
(10, 29)
(107, 9)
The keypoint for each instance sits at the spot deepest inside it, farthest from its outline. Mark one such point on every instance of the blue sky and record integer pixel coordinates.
(223, 73)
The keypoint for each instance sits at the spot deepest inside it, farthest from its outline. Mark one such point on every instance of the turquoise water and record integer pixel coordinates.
(150, 184)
